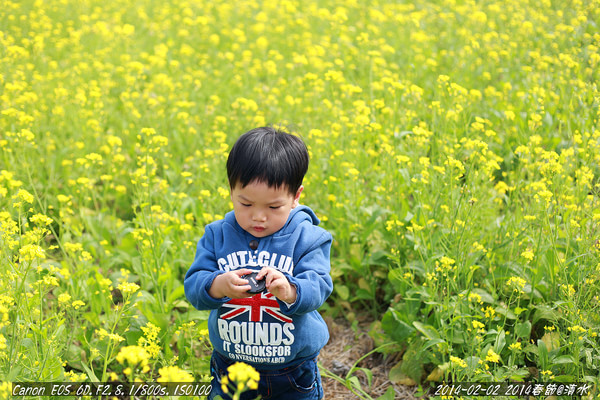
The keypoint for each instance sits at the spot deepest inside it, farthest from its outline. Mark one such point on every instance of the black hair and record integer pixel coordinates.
(268, 155)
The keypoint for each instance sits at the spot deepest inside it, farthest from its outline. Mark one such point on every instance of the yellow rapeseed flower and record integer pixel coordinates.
(133, 356)
(174, 374)
(528, 254)
(150, 341)
(31, 252)
(458, 361)
(492, 356)
(41, 219)
(128, 287)
(515, 346)
(23, 196)
(244, 374)
(516, 283)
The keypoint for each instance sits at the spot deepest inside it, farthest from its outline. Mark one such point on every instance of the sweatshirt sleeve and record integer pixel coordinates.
(311, 277)
(202, 273)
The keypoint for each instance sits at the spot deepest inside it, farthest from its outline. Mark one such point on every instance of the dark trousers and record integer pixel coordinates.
(301, 381)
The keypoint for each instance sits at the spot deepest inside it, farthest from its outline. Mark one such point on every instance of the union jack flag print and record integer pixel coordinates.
(256, 307)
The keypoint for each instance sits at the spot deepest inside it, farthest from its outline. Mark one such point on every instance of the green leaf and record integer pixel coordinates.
(368, 373)
(395, 373)
(395, 278)
(342, 291)
(565, 379)
(542, 353)
(397, 329)
(520, 375)
(412, 362)
(353, 380)
(90, 373)
(427, 330)
(519, 310)
(563, 360)
(523, 329)
(506, 312)
(485, 296)
(14, 373)
(175, 294)
(164, 277)
(500, 342)
(388, 395)
(362, 294)
(544, 312)
(588, 357)
(432, 342)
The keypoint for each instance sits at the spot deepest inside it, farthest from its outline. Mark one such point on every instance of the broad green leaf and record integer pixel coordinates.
(388, 395)
(523, 329)
(563, 360)
(427, 330)
(546, 313)
(566, 379)
(342, 291)
(500, 342)
(431, 343)
(395, 327)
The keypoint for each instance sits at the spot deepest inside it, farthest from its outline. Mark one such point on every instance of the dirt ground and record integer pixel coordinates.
(345, 347)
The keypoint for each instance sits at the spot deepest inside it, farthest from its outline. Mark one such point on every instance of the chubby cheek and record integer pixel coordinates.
(242, 218)
(280, 220)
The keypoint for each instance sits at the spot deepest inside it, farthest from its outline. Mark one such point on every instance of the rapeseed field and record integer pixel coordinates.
(455, 151)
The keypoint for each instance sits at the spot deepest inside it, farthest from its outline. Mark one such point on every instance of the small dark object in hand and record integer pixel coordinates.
(255, 286)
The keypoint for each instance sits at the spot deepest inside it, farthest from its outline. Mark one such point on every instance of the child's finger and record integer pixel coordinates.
(264, 271)
(240, 285)
(239, 292)
(243, 271)
(269, 279)
(238, 281)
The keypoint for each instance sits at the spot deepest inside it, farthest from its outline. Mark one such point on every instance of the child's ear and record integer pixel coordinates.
(297, 197)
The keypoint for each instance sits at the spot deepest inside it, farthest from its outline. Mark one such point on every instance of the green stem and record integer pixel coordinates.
(109, 348)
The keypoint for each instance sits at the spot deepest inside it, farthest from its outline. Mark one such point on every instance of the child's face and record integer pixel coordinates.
(262, 210)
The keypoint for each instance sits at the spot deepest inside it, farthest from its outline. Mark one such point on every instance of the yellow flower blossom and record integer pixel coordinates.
(128, 287)
(515, 346)
(477, 324)
(528, 254)
(150, 340)
(23, 196)
(41, 219)
(133, 356)
(516, 283)
(458, 361)
(491, 356)
(174, 374)
(31, 252)
(243, 374)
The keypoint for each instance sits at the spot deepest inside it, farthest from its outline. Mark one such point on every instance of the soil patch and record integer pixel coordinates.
(345, 347)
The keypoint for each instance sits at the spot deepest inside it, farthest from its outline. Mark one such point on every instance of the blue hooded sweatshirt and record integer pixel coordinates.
(262, 330)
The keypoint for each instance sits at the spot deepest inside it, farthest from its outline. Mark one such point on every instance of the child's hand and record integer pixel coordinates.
(278, 284)
(230, 284)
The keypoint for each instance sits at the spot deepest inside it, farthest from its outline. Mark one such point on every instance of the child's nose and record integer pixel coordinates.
(259, 216)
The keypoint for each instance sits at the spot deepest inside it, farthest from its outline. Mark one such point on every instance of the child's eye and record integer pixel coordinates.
(245, 205)
(274, 207)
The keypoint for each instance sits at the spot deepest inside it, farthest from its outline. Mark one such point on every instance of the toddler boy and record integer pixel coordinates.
(278, 331)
